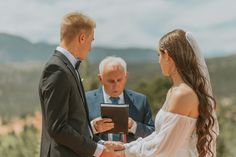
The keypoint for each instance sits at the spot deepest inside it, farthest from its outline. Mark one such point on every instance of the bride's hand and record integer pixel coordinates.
(115, 145)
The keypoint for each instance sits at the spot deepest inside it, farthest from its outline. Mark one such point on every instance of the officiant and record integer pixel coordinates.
(113, 76)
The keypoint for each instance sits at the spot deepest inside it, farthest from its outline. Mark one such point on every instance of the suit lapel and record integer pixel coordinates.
(98, 99)
(128, 97)
(78, 82)
(72, 70)
(100, 96)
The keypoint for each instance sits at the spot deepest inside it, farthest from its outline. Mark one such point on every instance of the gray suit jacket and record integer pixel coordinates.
(139, 110)
(65, 126)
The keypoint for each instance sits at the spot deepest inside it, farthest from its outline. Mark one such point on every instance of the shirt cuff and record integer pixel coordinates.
(126, 145)
(133, 128)
(101, 142)
(98, 150)
(93, 128)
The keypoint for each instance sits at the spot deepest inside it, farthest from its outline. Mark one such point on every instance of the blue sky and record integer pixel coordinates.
(127, 23)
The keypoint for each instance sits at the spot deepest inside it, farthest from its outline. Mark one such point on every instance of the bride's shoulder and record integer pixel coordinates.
(184, 101)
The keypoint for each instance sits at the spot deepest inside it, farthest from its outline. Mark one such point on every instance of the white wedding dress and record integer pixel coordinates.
(174, 136)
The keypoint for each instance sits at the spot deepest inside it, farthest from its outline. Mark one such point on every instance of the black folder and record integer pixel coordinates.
(119, 114)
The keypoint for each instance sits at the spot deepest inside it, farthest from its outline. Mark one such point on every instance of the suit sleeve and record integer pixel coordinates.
(146, 127)
(56, 92)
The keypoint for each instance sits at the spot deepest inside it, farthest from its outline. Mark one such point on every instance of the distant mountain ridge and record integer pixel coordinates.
(17, 49)
(19, 80)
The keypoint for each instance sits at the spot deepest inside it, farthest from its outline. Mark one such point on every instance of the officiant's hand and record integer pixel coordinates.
(115, 145)
(102, 124)
(130, 123)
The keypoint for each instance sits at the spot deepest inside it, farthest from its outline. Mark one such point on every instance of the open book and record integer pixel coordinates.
(119, 115)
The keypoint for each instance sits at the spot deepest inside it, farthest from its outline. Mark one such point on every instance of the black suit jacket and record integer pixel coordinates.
(65, 125)
(139, 110)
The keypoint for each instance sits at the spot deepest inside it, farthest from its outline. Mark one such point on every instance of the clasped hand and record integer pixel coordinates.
(113, 149)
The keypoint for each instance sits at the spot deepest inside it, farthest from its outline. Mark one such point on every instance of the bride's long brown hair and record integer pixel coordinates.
(181, 52)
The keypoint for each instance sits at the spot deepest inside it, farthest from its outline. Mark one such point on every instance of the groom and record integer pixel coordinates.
(66, 131)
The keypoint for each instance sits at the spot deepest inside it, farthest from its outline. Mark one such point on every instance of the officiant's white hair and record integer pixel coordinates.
(112, 59)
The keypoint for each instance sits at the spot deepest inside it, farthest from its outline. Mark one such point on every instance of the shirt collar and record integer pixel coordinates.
(107, 97)
(68, 55)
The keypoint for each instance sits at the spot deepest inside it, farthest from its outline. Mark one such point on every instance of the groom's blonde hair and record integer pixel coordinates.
(73, 23)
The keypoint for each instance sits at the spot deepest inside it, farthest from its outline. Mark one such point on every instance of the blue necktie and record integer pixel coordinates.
(115, 100)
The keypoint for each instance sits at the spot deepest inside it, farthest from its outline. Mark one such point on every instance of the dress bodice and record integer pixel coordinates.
(174, 136)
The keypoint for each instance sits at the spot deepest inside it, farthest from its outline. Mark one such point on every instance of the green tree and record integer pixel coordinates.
(156, 90)
(26, 144)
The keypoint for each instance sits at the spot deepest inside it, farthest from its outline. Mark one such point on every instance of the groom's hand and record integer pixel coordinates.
(115, 145)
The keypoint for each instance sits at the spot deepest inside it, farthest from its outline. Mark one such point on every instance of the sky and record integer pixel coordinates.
(127, 23)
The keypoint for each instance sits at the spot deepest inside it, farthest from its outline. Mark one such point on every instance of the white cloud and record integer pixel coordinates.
(122, 23)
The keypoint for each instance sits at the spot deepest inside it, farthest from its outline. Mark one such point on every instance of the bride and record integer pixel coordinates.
(186, 125)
